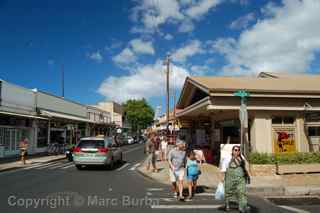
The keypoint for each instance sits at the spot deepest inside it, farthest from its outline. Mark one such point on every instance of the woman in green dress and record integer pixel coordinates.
(236, 173)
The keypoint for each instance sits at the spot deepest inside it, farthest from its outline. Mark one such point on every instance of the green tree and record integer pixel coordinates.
(139, 114)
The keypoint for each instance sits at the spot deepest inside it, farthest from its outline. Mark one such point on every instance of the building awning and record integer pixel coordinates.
(22, 115)
(64, 116)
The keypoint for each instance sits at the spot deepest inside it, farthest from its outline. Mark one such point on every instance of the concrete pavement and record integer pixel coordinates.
(30, 162)
(263, 181)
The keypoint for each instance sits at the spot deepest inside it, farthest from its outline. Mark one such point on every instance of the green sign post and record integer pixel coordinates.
(243, 116)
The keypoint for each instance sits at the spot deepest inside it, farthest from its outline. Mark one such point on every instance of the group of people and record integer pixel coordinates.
(184, 163)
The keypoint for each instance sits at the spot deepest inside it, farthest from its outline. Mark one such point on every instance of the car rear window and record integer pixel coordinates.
(91, 144)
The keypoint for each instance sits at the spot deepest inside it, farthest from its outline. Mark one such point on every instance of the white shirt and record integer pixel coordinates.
(164, 144)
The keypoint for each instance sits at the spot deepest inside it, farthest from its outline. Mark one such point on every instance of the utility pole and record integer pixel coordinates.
(167, 63)
(243, 116)
(62, 80)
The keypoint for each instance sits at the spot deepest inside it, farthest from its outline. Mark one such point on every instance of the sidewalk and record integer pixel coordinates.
(5, 166)
(264, 181)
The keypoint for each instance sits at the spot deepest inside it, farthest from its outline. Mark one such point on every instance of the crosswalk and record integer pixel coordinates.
(65, 165)
(163, 200)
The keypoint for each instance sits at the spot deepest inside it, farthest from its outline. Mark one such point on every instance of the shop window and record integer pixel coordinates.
(277, 120)
(42, 134)
(283, 120)
(1, 136)
(314, 131)
(288, 120)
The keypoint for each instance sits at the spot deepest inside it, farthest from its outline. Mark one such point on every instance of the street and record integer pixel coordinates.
(60, 187)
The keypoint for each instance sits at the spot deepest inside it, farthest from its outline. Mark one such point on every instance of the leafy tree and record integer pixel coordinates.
(138, 113)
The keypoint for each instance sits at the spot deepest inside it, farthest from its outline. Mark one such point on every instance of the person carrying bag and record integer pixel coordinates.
(236, 174)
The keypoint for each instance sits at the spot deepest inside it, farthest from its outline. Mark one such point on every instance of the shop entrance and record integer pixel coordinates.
(230, 131)
(58, 136)
(10, 139)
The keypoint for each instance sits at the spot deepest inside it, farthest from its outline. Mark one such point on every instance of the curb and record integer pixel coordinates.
(147, 176)
(19, 167)
(9, 169)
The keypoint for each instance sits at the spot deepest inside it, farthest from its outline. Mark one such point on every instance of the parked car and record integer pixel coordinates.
(97, 151)
(130, 140)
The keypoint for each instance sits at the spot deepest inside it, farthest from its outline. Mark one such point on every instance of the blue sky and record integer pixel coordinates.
(113, 50)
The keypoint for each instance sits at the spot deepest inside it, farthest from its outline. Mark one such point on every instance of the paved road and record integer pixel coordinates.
(60, 187)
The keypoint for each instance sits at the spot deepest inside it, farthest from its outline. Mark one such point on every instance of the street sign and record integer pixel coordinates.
(242, 93)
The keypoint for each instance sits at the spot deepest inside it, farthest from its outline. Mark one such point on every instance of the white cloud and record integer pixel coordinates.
(186, 26)
(152, 14)
(142, 47)
(200, 8)
(168, 36)
(199, 70)
(285, 41)
(242, 22)
(96, 56)
(114, 44)
(190, 49)
(126, 56)
(145, 82)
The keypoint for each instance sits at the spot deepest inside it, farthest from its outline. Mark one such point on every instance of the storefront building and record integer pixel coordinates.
(44, 119)
(283, 112)
(18, 119)
(100, 121)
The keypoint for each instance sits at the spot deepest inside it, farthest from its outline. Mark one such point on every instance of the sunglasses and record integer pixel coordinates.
(236, 150)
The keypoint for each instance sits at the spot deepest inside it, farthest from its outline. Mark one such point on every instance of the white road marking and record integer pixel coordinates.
(168, 199)
(290, 208)
(134, 167)
(66, 167)
(205, 194)
(60, 166)
(41, 165)
(185, 206)
(155, 189)
(124, 166)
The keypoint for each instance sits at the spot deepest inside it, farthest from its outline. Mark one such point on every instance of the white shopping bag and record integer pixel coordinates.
(219, 195)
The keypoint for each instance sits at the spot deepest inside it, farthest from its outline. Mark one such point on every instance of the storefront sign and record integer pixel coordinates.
(284, 140)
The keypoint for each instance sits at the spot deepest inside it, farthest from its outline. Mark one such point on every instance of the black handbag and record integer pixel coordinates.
(246, 174)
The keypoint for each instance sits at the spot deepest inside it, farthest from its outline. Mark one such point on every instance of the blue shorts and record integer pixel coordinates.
(192, 177)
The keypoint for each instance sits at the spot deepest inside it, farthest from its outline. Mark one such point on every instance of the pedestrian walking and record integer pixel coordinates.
(236, 171)
(24, 143)
(176, 159)
(151, 154)
(164, 148)
(193, 172)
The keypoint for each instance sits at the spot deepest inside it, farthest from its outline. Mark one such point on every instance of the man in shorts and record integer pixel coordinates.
(151, 154)
(176, 159)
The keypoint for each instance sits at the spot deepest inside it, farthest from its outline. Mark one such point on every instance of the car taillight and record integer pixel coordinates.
(77, 149)
(103, 149)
